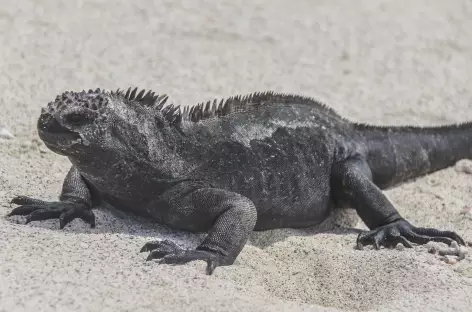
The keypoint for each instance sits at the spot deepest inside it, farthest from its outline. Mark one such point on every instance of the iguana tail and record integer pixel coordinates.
(396, 154)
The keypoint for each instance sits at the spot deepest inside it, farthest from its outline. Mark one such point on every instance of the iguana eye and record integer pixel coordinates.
(76, 118)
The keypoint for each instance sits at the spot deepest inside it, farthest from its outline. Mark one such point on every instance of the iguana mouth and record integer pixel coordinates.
(66, 135)
(63, 139)
(54, 135)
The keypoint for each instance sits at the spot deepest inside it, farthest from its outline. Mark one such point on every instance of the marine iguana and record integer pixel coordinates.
(255, 162)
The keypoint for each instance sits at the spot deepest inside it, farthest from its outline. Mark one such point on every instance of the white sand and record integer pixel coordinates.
(374, 61)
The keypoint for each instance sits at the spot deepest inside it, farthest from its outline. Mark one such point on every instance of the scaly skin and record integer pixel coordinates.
(257, 162)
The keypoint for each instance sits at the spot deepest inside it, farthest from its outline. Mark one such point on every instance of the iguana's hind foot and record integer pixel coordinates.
(169, 253)
(352, 184)
(65, 211)
(401, 231)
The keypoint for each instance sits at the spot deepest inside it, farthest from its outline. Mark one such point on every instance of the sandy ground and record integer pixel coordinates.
(374, 61)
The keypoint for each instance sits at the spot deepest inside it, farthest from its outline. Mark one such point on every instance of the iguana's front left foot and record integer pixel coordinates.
(169, 253)
(401, 231)
(65, 211)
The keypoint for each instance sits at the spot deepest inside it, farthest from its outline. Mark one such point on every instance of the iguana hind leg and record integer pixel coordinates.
(233, 218)
(352, 184)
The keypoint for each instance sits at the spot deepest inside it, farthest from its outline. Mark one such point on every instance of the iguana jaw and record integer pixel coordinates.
(58, 138)
(62, 143)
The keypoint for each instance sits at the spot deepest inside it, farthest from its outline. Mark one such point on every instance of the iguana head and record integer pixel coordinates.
(111, 122)
(69, 123)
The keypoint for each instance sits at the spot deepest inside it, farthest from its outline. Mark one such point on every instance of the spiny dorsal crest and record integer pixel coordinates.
(248, 102)
(150, 99)
(214, 109)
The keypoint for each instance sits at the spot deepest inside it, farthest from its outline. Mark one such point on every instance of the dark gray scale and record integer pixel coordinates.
(285, 177)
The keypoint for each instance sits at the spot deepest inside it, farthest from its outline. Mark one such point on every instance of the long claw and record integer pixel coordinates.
(23, 210)
(211, 266)
(164, 246)
(211, 259)
(434, 232)
(423, 239)
(378, 238)
(42, 214)
(362, 239)
(89, 217)
(376, 244)
(65, 218)
(156, 254)
(25, 200)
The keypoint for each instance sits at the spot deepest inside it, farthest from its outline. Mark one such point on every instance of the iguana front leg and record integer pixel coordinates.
(75, 202)
(352, 184)
(231, 217)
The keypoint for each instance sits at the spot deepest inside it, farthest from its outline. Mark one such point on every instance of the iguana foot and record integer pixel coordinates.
(169, 253)
(403, 232)
(65, 211)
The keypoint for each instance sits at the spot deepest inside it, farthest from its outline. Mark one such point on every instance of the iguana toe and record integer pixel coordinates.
(23, 210)
(163, 247)
(25, 200)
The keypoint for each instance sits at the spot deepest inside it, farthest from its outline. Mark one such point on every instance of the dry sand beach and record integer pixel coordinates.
(383, 62)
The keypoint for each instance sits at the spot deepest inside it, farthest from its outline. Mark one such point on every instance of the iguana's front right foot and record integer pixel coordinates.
(65, 211)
